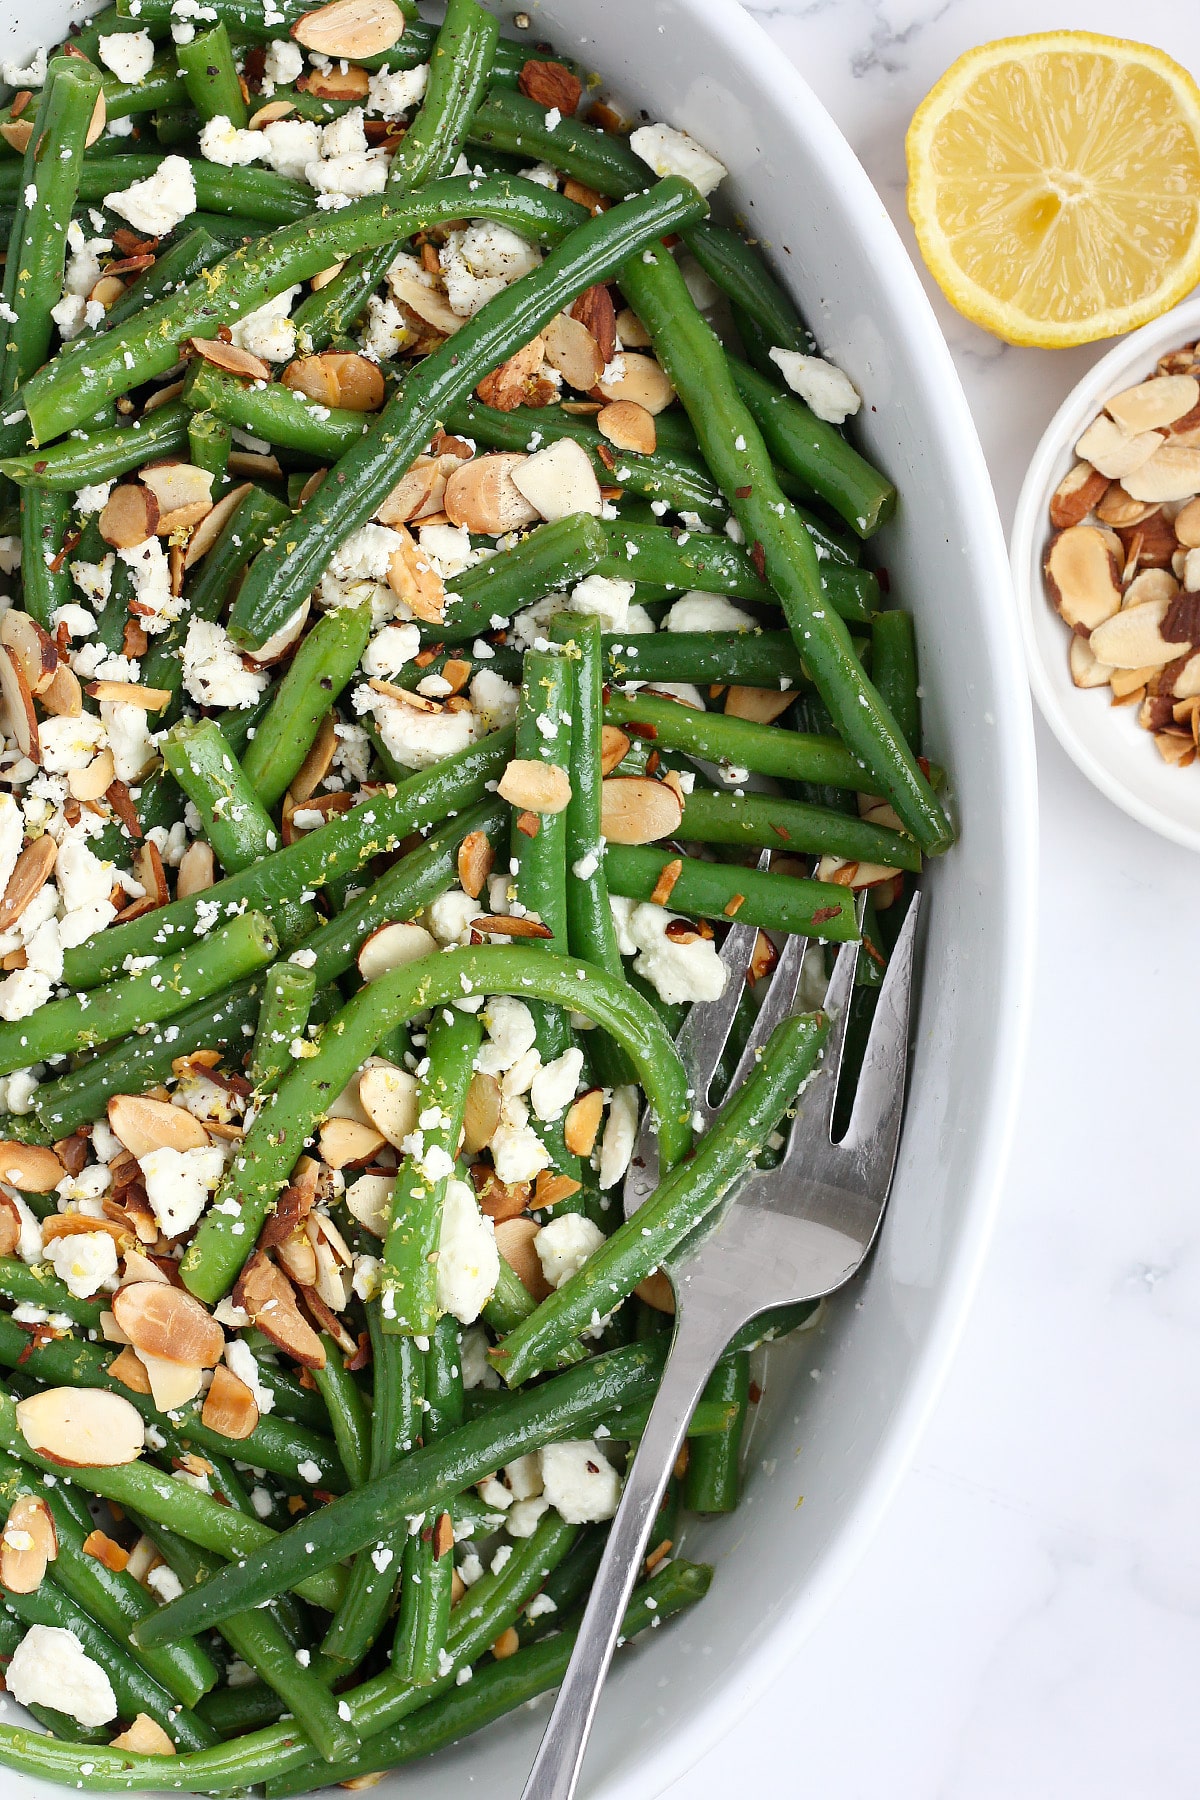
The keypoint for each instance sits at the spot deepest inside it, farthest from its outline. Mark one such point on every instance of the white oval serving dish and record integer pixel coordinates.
(1104, 741)
(843, 1441)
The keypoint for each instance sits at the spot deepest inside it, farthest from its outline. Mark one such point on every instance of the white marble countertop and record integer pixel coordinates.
(1027, 1621)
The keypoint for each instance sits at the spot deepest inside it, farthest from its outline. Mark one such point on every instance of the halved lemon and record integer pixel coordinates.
(1054, 183)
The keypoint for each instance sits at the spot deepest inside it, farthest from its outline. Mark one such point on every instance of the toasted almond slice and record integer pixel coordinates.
(344, 1142)
(250, 465)
(63, 699)
(422, 298)
(389, 1098)
(1117, 509)
(10, 1227)
(583, 1122)
(1112, 451)
(82, 1427)
(106, 1550)
(657, 1292)
(641, 380)
(1172, 473)
(762, 705)
(413, 578)
(213, 524)
(27, 1543)
(476, 859)
(110, 1331)
(176, 484)
(350, 29)
(1083, 576)
(549, 1189)
(267, 1295)
(172, 1384)
(337, 83)
(1151, 584)
(107, 291)
(130, 693)
(1132, 639)
(631, 331)
(231, 358)
(197, 871)
(1153, 404)
(32, 646)
(500, 1200)
(31, 871)
(297, 1257)
(98, 121)
(515, 382)
(162, 396)
(323, 277)
(337, 379)
(614, 748)
(393, 945)
(77, 1224)
(481, 1113)
(518, 925)
(94, 781)
(129, 1369)
(481, 495)
(229, 1406)
(281, 642)
(16, 705)
(412, 493)
(636, 809)
(516, 1240)
(143, 1124)
(1087, 671)
(535, 787)
(369, 1200)
(573, 351)
(854, 875)
(334, 1264)
(161, 1320)
(145, 1737)
(130, 516)
(317, 763)
(628, 426)
(270, 113)
(16, 134)
(32, 1168)
(1076, 495)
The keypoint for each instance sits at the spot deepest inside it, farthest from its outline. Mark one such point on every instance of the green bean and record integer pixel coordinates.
(512, 123)
(894, 670)
(162, 85)
(284, 416)
(145, 997)
(511, 1301)
(109, 1596)
(234, 819)
(64, 394)
(135, 1691)
(426, 1588)
(713, 1471)
(767, 822)
(744, 278)
(250, 193)
(101, 455)
(551, 556)
(209, 443)
(348, 1416)
(709, 890)
(316, 675)
(566, 1585)
(368, 471)
(458, 73)
(743, 658)
(816, 452)
(174, 268)
(667, 474)
(720, 737)
(210, 76)
(696, 363)
(145, 1058)
(271, 1146)
(304, 1405)
(288, 992)
(339, 848)
(408, 1276)
(563, 1407)
(259, 1640)
(712, 564)
(39, 1286)
(45, 578)
(681, 1202)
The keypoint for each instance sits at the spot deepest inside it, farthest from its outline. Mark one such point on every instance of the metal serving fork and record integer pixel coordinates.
(789, 1234)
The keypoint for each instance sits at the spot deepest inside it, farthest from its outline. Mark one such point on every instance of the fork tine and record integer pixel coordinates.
(819, 1095)
(874, 1129)
(706, 1028)
(780, 999)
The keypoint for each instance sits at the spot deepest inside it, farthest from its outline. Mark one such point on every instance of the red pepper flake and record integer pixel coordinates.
(823, 914)
(782, 831)
(636, 728)
(754, 1393)
(70, 542)
(528, 824)
(742, 493)
(758, 557)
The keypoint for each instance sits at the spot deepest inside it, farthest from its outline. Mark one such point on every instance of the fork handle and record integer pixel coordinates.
(694, 1353)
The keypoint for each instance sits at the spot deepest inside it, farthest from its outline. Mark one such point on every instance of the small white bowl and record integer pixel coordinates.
(1104, 741)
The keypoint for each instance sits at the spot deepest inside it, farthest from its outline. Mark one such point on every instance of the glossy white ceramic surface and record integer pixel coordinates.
(840, 1442)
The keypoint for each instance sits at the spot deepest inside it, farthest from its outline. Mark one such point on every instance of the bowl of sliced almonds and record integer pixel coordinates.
(1106, 564)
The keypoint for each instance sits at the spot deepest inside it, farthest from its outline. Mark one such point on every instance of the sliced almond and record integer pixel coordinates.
(391, 946)
(583, 1122)
(323, 277)
(213, 524)
(32, 646)
(176, 484)
(298, 1258)
(500, 1200)
(130, 516)
(476, 859)
(657, 1292)
(231, 358)
(481, 495)
(282, 642)
(338, 83)
(515, 382)
(1172, 473)
(82, 1427)
(628, 426)
(229, 1406)
(413, 579)
(145, 1737)
(32, 1168)
(106, 1550)
(267, 1295)
(516, 1240)
(631, 331)
(1112, 451)
(16, 705)
(636, 809)
(535, 787)
(93, 782)
(481, 1113)
(369, 1200)
(317, 763)
(63, 699)
(31, 871)
(166, 1321)
(1087, 671)
(422, 298)
(172, 1384)
(1132, 639)
(762, 705)
(1117, 509)
(522, 925)
(197, 871)
(337, 378)
(552, 85)
(614, 748)
(344, 1143)
(129, 1369)
(143, 1125)
(1076, 495)
(350, 29)
(550, 1189)
(27, 1543)
(1151, 584)
(413, 493)
(10, 1226)
(270, 114)
(641, 380)
(1083, 576)
(1153, 404)
(574, 352)
(594, 307)
(16, 134)
(390, 1099)
(130, 693)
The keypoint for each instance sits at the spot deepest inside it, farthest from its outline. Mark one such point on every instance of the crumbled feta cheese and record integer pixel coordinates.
(521, 1519)
(480, 262)
(213, 671)
(23, 993)
(49, 1666)
(468, 1264)
(477, 1371)
(32, 75)
(150, 569)
(129, 738)
(448, 548)
(553, 1087)
(12, 837)
(29, 1244)
(823, 387)
(387, 331)
(391, 92)
(518, 1153)
(564, 1245)
(222, 142)
(493, 700)
(129, 54)
(283, 62)
(695, 611)
(449, 916)
(605, 597)
(677, 971)
(671, 152)
(350, 175)
(620, 1135)
(83, 1261)
(291, 145)
(70, 743)
(180, 1184)
(268, 332)
(579, 1481)
(157, 204)
(164, 1583)
(92, 499)
(417, 739)
(390, 649)
(511, 1032)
